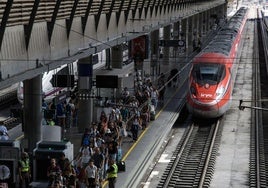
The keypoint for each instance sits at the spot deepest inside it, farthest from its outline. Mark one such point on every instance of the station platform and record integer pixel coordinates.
(138, 155)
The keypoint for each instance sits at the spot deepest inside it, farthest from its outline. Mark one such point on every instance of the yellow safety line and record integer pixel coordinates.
(140, 137)
(20, 137)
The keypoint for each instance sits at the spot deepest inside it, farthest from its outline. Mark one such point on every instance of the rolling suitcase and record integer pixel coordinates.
(121, 166)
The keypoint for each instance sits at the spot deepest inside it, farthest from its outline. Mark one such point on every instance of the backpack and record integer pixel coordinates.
(135, 127)
(86, 141)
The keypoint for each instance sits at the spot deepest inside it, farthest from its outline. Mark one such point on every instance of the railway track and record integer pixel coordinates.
(259, 129)
(193, 159)
(8, 98)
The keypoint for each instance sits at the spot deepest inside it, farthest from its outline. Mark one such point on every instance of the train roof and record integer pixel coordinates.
(222, 42)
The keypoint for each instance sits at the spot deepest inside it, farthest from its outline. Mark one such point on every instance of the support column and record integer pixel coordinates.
(213, 16)
(225, 11)
(195, 32)
(155, 69)
(190, 35)
(200, 24)
(185, 28)
(176, 34)
(204, 21)
(85, 98)
(182, 37)
(108, 58)
(210, 19)
(117, 57)
(184, 33)
(32, 121)
(166, 49)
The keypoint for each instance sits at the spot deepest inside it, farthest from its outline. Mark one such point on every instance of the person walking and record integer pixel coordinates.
(135, 128)
(161, 88)
(54, 174)
(98, 159)
(112, 173)
(61, 116)
(66, 168)
(92, 174)
(24, 171)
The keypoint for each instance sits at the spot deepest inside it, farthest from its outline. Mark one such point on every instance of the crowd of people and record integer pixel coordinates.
(62, 113)
(101, 142)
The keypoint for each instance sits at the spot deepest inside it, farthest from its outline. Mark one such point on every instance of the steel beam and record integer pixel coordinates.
(85, 17)
(118, 14)
(28, 28)
(51, 24)
(152, 7)
(141, 9)
(147, 8)
(135, 9)
(156, 7)
(126, 12)
(4, 20)
(69, 21)
(97, 17)
(108, 16)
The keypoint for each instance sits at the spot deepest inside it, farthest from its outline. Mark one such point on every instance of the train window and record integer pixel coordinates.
(208, 73)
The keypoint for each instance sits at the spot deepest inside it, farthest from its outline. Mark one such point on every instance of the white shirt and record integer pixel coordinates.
(91, 171)
(154, 94)
(85, 155)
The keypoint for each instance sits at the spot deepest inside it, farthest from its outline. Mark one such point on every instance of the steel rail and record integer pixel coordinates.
(193, 157)
(205, 169)
(179, 154)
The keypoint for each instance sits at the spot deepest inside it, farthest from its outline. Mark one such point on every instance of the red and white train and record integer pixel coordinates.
(211, 77)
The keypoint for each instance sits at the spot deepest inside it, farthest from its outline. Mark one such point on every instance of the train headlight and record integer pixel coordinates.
(219, 93)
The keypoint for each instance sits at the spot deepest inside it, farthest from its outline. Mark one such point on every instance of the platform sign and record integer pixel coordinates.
(63, 80)
(106, 81)
(171, 43)
(85, 69)
(139, 47)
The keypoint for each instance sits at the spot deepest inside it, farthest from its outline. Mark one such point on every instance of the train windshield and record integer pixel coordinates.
(210, 73)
